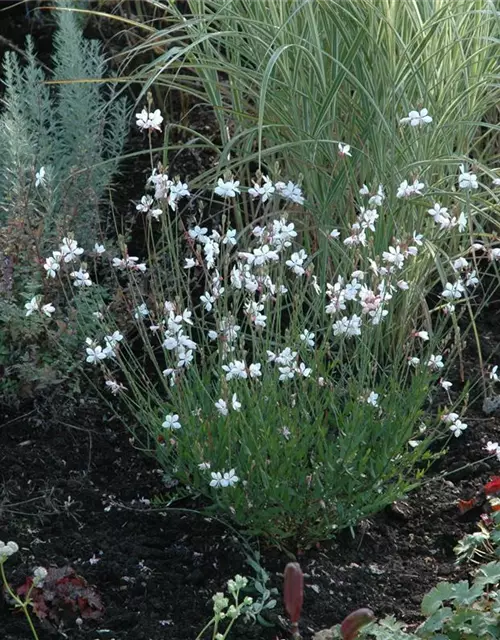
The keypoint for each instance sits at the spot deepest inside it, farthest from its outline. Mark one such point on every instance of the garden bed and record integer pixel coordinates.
(76, 492)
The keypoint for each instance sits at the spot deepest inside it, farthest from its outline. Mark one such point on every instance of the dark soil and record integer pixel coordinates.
(74, 492)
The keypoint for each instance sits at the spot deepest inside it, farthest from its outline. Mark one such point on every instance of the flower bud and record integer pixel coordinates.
(39, 575)
(353, 623)
(293, 591)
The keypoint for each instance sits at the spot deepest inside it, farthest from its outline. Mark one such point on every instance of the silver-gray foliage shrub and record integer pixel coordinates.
(71, 123)
(75, 130)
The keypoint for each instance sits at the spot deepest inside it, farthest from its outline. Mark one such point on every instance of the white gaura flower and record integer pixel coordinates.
(235, 403)
(95, 353)
(373, 399)
(52, 265)
(230, 478)
(177, 191)
(81, 278)
(446, 384)
(254, 370)
(156, 213)
(227, 189)
(216, 480)
(368, 218)
(290, 191)
(31, 306)
(377, 199)
(296, 261)
(303, 371)
(344, 150)
(142, 119)
(466, 179)
(458, 427)
(286, 373)
(70, 249)
(394, 256)
(413, 361)
(417, 118)
(418, 238)
(115, 387)
(141, 311)
(435, 362)
(204, 466)
(185, 357)
(437, 212)
(208, 301)
(199, 234)
(493, 448)
(472, 280)
(221, 406)
(149, 121)
(423, 335)
(235, 369)
(145, 204)
(189, 263)
(48, 309)
(406, 190)
(171, 422)
(462, 222)
(493, 374)
(358, 236)
(40, 180)
(453, 291)
(335, 233)
(285, 358)
(347, 326)
(230, 237)
(224, 479)
(99, 248)
(460, 263)
(307, 337)
(113, 340)
(264, 191)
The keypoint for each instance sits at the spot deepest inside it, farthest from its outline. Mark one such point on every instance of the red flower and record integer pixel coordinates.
(492, 488)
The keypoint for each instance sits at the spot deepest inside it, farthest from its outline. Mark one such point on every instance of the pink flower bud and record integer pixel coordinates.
(353, 623)
(293, 592)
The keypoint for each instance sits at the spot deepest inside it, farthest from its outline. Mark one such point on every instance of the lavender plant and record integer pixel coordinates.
(61, 145)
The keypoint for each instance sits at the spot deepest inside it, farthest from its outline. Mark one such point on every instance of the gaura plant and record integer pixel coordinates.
(281, 371)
